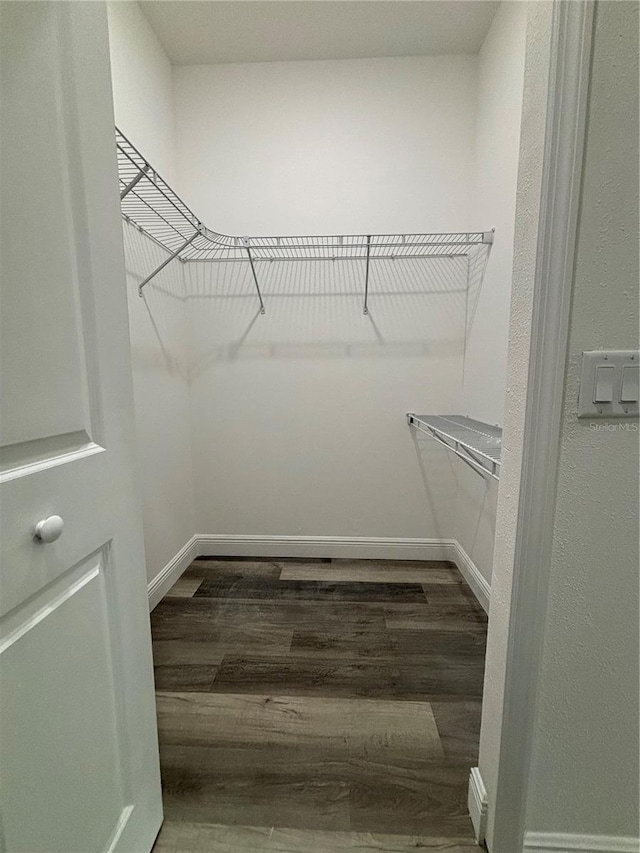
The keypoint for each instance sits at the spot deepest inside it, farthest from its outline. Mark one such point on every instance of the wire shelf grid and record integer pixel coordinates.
(475, 442)
(150, 204)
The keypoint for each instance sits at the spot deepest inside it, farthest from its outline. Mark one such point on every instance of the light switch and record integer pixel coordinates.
(603, 391)
(609, 384)
(629, 390)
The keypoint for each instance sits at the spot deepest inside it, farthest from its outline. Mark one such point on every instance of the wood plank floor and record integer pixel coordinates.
(317, 706)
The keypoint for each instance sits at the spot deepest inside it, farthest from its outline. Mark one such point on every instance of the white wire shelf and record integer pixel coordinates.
(476, 443)
(150, 204)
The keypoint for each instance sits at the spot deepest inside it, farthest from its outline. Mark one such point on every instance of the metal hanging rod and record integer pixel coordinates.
(150, 204)
(476, 443)
(270, 260)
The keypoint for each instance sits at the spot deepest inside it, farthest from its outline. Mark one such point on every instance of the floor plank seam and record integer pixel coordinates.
(298, 698)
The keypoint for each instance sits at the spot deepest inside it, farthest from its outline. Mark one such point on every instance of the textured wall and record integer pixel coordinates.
(497, 143)
(497, 150)
(584, 776)
(527, 213)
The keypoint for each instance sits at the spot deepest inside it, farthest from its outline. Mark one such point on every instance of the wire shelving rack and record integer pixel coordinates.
(478, 444)
(150, 204)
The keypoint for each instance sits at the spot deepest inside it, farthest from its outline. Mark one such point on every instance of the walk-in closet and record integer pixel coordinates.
(318, 205)
(319, 417)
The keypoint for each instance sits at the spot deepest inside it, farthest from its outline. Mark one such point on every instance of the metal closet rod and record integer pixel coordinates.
(150, 204)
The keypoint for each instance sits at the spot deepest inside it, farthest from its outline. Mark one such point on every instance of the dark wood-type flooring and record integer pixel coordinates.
(317, 706)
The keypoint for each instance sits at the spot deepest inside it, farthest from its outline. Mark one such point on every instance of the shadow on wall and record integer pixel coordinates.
(435, 463)
(475, 500)
(314, 309)
(477, 261)
(417, 307)
(158, 318)
(306, 403)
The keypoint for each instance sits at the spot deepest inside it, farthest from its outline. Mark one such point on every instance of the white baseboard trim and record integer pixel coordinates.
(356, 547)
(477, 802)
(559, 842)
(472, 574)
(165, 579)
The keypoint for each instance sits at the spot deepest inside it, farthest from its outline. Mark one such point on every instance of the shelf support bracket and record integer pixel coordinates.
(245, 242)
(168, 261)
(366, 277)
(132, 183)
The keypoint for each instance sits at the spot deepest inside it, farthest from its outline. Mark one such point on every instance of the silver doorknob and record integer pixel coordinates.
(49, 529)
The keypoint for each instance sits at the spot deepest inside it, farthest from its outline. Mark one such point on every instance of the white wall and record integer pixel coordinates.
(142, 85)
(497, 143)
(298, 416)
(497, 150)
(584, 776)
(143, 107)
(306, 404)
(528, 206)
(328, 147)
(584, 779)
(475, 517)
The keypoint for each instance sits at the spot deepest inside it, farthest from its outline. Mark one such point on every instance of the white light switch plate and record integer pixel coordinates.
(602, 378)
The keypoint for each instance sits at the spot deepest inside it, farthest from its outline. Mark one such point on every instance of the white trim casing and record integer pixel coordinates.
(356, 547)
(480, 586)
(557, 228)
(477, 802)
(558, 842)
(165, 579)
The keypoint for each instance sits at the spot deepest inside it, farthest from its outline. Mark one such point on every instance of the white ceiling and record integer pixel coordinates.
(211, 31)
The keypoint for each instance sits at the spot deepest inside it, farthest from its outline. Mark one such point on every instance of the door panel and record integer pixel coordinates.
(39, 256)
(65, 752)
(78, 744)
(36, 492)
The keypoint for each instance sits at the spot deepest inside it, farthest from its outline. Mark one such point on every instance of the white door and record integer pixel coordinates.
(78, 746)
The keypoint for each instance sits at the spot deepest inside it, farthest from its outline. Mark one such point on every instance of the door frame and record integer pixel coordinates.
(561, 176)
